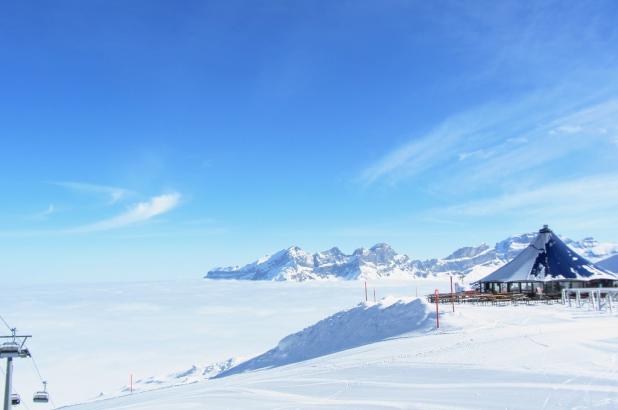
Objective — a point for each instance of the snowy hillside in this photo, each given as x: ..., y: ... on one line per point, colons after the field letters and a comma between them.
x: 461, y: 366
x: 382, y: 261
x: 159, y: 331
x: 366, y: 323
x: 193, y: 374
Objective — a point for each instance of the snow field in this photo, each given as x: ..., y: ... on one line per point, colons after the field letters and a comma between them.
x: 511, y: 357
x: 88, y: 338
x: 367, y: 323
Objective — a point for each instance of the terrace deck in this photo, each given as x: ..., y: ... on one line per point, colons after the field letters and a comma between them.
x: 494, y: 298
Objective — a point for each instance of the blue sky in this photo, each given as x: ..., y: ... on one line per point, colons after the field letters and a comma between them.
x: 157, y: 139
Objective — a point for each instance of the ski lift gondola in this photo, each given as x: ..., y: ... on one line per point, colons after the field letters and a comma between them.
x: 12, y: 349
x: 9, y: 349
x: 41, y: 396
x: 15, y: 399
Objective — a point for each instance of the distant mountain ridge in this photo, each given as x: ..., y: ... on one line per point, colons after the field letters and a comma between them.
x: 610, y: 263
x: 382, y: 261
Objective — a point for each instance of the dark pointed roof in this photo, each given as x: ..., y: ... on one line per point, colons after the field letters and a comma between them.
x: 546, y: 259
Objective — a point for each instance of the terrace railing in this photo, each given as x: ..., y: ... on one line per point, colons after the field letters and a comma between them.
x: 595, y: 298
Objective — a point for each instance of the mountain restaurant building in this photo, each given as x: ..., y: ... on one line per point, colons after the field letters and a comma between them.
x: 547, y: 265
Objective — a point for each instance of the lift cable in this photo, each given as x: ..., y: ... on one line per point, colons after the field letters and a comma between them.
x: 36, y: 367
x: 6, y: 324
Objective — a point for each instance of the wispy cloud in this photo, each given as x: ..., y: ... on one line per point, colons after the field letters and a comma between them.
x: 468, y: 131
x: 478, y: 154
x: 504, y: 139
x: 44, y: 214
x: 113, y: 194
x: 140, y: 212
x: 589, y: 196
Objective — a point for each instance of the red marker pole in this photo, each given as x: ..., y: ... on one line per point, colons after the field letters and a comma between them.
x: 452, y: 298
x: 131, y: 382
x: 366, y: 297
x: 436, y: 297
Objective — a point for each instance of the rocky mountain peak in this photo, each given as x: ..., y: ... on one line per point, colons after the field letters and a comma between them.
x: 468, y: 251
x: 381, y: 261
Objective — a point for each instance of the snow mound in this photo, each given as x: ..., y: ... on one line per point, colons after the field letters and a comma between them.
x: 366, y: 323
x: 193, y: 374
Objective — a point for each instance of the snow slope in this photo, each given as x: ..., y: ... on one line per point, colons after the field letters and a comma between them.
x: 382, y: 261
x: 193, y: 374
x: 512, y: 357
x: 88, y: 338
x: 366, y: 323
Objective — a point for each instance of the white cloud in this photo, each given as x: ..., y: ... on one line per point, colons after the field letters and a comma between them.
x: 468, y: 131
x: 421, y: 153
x: 478, y: 154
x: 140, y: 212
x: 114, y: 194
x: 517, y: 140
x: 44, y: 214
x: 484, y: 133
x: 568, y: 129
x: 588, y: 196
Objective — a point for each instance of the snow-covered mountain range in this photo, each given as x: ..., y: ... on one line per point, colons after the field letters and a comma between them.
x: 382, y: 261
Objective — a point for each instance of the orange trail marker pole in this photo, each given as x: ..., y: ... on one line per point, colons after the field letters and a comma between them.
x: 436, y: 296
